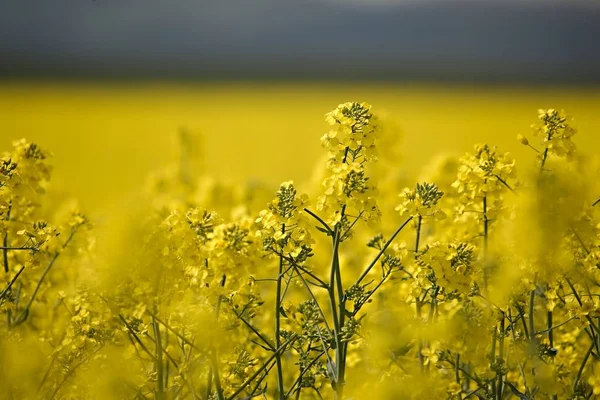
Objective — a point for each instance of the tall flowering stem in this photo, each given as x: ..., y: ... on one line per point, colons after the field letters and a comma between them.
x: 278, y: 323
x: 283, y: 230
x: 422, y: 202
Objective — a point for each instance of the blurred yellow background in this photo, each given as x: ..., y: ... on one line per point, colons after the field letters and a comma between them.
x: 107, y: 137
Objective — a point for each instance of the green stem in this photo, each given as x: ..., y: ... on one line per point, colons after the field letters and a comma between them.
x: 499, y: 385
x: 5, y: 252
x: 262, y: 337
x: 158, y: 362
x: 485, y: 225
x: 313, y: 297
x: 531, y: 323
x: 342, y: 316
x: 259, y: 371
x: 278, y: 325
x: 315, y: 216
x: 514, y: 337
x: 334, y: 310
x: 581, y: 368
x: 419, y: 303
x: 418, y: 234
x: 25, y: 313
x: 486, y: 271
x: 544, y: 158
x: 5, y: 241
x: 383, y: 249
x: 550, y: 329
x: 209, y: 383
x: 492, y: 359
x: 304, y: 370
x: 215, y: 359
x: 543, y: 163
x: 215, y: 368
x: 12, y: 281
x: 457, y: 373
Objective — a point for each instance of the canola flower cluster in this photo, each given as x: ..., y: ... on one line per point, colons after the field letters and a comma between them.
x: 479, y: 281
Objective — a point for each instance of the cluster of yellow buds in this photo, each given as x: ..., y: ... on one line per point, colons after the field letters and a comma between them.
x: 351, y: 143
x: 283, y: 226
x: 422, y: 201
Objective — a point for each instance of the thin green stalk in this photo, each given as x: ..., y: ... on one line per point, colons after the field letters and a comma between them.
x: 5, y: 249
x: 259, y: 381
x: 591, y: 334
x: 23, y: 248
x: 173, y: 331
x: 543, y: 163
x: 259, y: 371
x: 322, y: 284
x: 47, y: 374
x: 544, y: 158
x: 256, y: 331
x: 12, y: 281
x: 419, y: 303
x: 347, y: 233
x: 167, y: 365
x: 136, y: 337
x: 499, y: 386
x: 512, y: 331
x: 214, y: 359
x: 485, y: 225
x: 457, y: 373
x: 315, y: 216
x: 304, y: 370
x: 158, y: 362
x: 334, y: 307
x: 418, y: 234
x: 280, y: 387
x: 313, y: 297
x: 215, y: 368
x: 209, y: 383
x: 359, y: 307
x: 502, y: 181
x: 420, y: 353
x: 25, y: 313
x: 598, y: 335
x: 70, y: 372
x: 582, y: 367
x: 521, y: 316
x: 556, y: 326
x: 342, y: 316
x: 492, y: 359
x: 383, y: 249
x: 531, y: 322
x: 549, y: 328
x: 486, y: 271
x: 5, y: 241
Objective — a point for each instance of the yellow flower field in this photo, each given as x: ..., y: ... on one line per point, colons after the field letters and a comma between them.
x: 116, y: 133
x: 292, y: 241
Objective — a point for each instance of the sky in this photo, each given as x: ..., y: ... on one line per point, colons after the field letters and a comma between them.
x: 503, y: 40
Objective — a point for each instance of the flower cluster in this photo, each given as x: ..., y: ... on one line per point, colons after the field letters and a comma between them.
x: 205, y: 296
x: 422, y: 201
x: 348, y: 188
x: 284, y: 225
x: 556, y: 133
x: 353, y: 133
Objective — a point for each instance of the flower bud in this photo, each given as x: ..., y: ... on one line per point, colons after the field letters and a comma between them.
x: 522, y: 139
x: 439, y: 215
